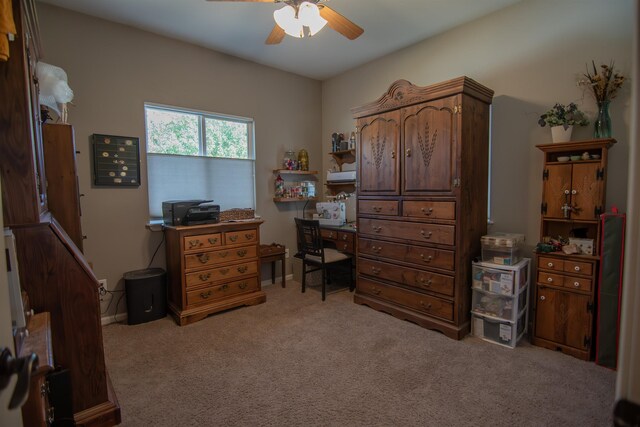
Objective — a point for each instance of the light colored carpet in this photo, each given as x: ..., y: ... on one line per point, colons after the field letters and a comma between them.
x: 297, y: 361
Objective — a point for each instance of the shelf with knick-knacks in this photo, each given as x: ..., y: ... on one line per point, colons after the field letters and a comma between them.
x: 342, y: 184
x: 290, y: 190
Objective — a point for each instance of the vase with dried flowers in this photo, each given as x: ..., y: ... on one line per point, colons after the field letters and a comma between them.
x: 604, y: 84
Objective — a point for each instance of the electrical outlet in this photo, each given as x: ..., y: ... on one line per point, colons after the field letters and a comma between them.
x: 103, y: 287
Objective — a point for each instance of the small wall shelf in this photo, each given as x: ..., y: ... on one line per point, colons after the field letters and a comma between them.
x: 344, y: 156
x: 294, y: 199
x: 295, y: 172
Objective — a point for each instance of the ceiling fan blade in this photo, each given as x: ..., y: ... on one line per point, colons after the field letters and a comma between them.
x: 276, y: 36
x: 340, y: 23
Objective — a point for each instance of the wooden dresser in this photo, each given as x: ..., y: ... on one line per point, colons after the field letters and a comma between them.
x: 213, y: 268
x: 422, y: 200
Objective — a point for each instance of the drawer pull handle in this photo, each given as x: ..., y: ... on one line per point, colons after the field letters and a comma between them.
x: 426, y: 306
x: 345, y: 246
x: 249, y: 236
x: 427, y: 259
x: 542, y: 298
x: 393, y: 154
x: 205, y: 296
x: 224, y: 287
x: 425, y: 282
x: 576, y: 284
x: 376, y: 249
x: 203, y: 258
x: 212, y: 240
x: 426, y: 235
x: 377, y: 229
x: 194, y: 243
x: 408, y: 152
x: 375, y: 290
x: 377, y: 208
x: 375, y: 270
x: 224, y: 254
x: 550, y: 264
x: 345, y: 237
x: 427, y: 211
x: 331, y: 236
x: 549, y: 279
x: 242, y: 268
x: 576, y: 268
x: 242, y: 253
x: 233, y: 238
x: 204, y: 277
x: 224, y: 270
x: 243, y: 285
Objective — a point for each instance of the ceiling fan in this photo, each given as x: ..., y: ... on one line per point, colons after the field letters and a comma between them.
x: 306, y: 17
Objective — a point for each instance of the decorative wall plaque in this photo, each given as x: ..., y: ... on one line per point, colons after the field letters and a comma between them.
x: 116, y: 160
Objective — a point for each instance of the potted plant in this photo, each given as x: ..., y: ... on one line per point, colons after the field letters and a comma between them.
x: 561, y: 119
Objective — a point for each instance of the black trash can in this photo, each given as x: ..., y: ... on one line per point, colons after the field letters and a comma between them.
x: 146, y: 292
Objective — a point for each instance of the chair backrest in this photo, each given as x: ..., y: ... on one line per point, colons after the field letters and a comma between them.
x: 309, y: 237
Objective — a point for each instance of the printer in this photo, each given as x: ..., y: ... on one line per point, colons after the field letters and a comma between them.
x: 190, y: 212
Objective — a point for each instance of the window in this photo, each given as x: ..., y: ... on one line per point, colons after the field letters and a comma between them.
x: 198, y: 155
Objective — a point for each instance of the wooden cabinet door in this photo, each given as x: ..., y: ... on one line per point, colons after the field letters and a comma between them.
x: 429, y: 151
x: 563, y: 317
x: 379, y: 159
x: 554, y: 188
x: 586, y: 191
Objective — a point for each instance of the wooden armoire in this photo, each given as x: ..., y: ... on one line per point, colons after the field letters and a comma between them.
x: 422, y: 200
x: 53, y: 272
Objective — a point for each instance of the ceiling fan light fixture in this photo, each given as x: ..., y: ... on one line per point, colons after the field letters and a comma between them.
x: 286, y: 19
x: 309, y: 15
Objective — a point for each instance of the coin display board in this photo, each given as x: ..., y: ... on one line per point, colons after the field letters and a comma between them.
x: 116, y: 160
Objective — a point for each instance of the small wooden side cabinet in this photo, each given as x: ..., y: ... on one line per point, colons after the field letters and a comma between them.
x: 573, y: 197
x: 272, y: 253
x: 212, y: 268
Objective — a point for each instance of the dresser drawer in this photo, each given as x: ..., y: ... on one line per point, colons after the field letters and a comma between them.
x: 329, y: 234
x: 550, y: 279
x: 416, y: 231
x: 578, y: 283
x: 217, y: 292
x: 378, y: 207
x: 432, y: 306
x: 240, y: 237
x: 221, y: 273
x: 204, y: 259
x: 578, y: 267
x: 203, y: 241
x: 413, y: 277
x: 419, y: 255
x: 429, y: 209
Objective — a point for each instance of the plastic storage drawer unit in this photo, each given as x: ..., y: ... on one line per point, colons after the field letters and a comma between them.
x: 146, y: 292
x: 500, y: 306
x: 504, y: 333
x: 504, y: 280
x: 502, y: 248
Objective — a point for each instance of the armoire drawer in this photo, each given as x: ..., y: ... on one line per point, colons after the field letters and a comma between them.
x: 419, y: 255
x: 217, y: 292
x: 560, y: 280
x: 203, y: 241
x: 378, y: 207
x: 420, y: 279
x: 430, y: 305
x: 204, y: 259
x: 416, y: 231
x: 429, y: 209
x: 225, y: 273
x: 566, y: 265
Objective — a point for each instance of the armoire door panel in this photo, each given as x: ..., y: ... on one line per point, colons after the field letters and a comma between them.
x: 429, y: 149
x: 379, y: 154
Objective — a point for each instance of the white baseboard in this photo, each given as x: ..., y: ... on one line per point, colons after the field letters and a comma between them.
x: 110, y: 319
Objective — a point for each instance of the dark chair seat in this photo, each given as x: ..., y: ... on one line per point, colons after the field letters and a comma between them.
x: 312, y: 253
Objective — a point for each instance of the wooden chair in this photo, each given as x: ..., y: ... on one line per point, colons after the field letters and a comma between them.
x: 314, y: 254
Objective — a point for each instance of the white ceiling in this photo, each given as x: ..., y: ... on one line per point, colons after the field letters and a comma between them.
x: 240, y: 28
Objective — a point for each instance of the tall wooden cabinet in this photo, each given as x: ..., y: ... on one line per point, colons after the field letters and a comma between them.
x: 573, y: 197
x: 422, y: 200
x: 53, y: 271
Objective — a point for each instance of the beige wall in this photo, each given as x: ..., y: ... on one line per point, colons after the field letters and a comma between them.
x: 530, y: 54
x: 113, y: 69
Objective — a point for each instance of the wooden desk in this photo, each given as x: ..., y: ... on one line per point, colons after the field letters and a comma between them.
x: 272, y: 253
x: 343, y: 237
